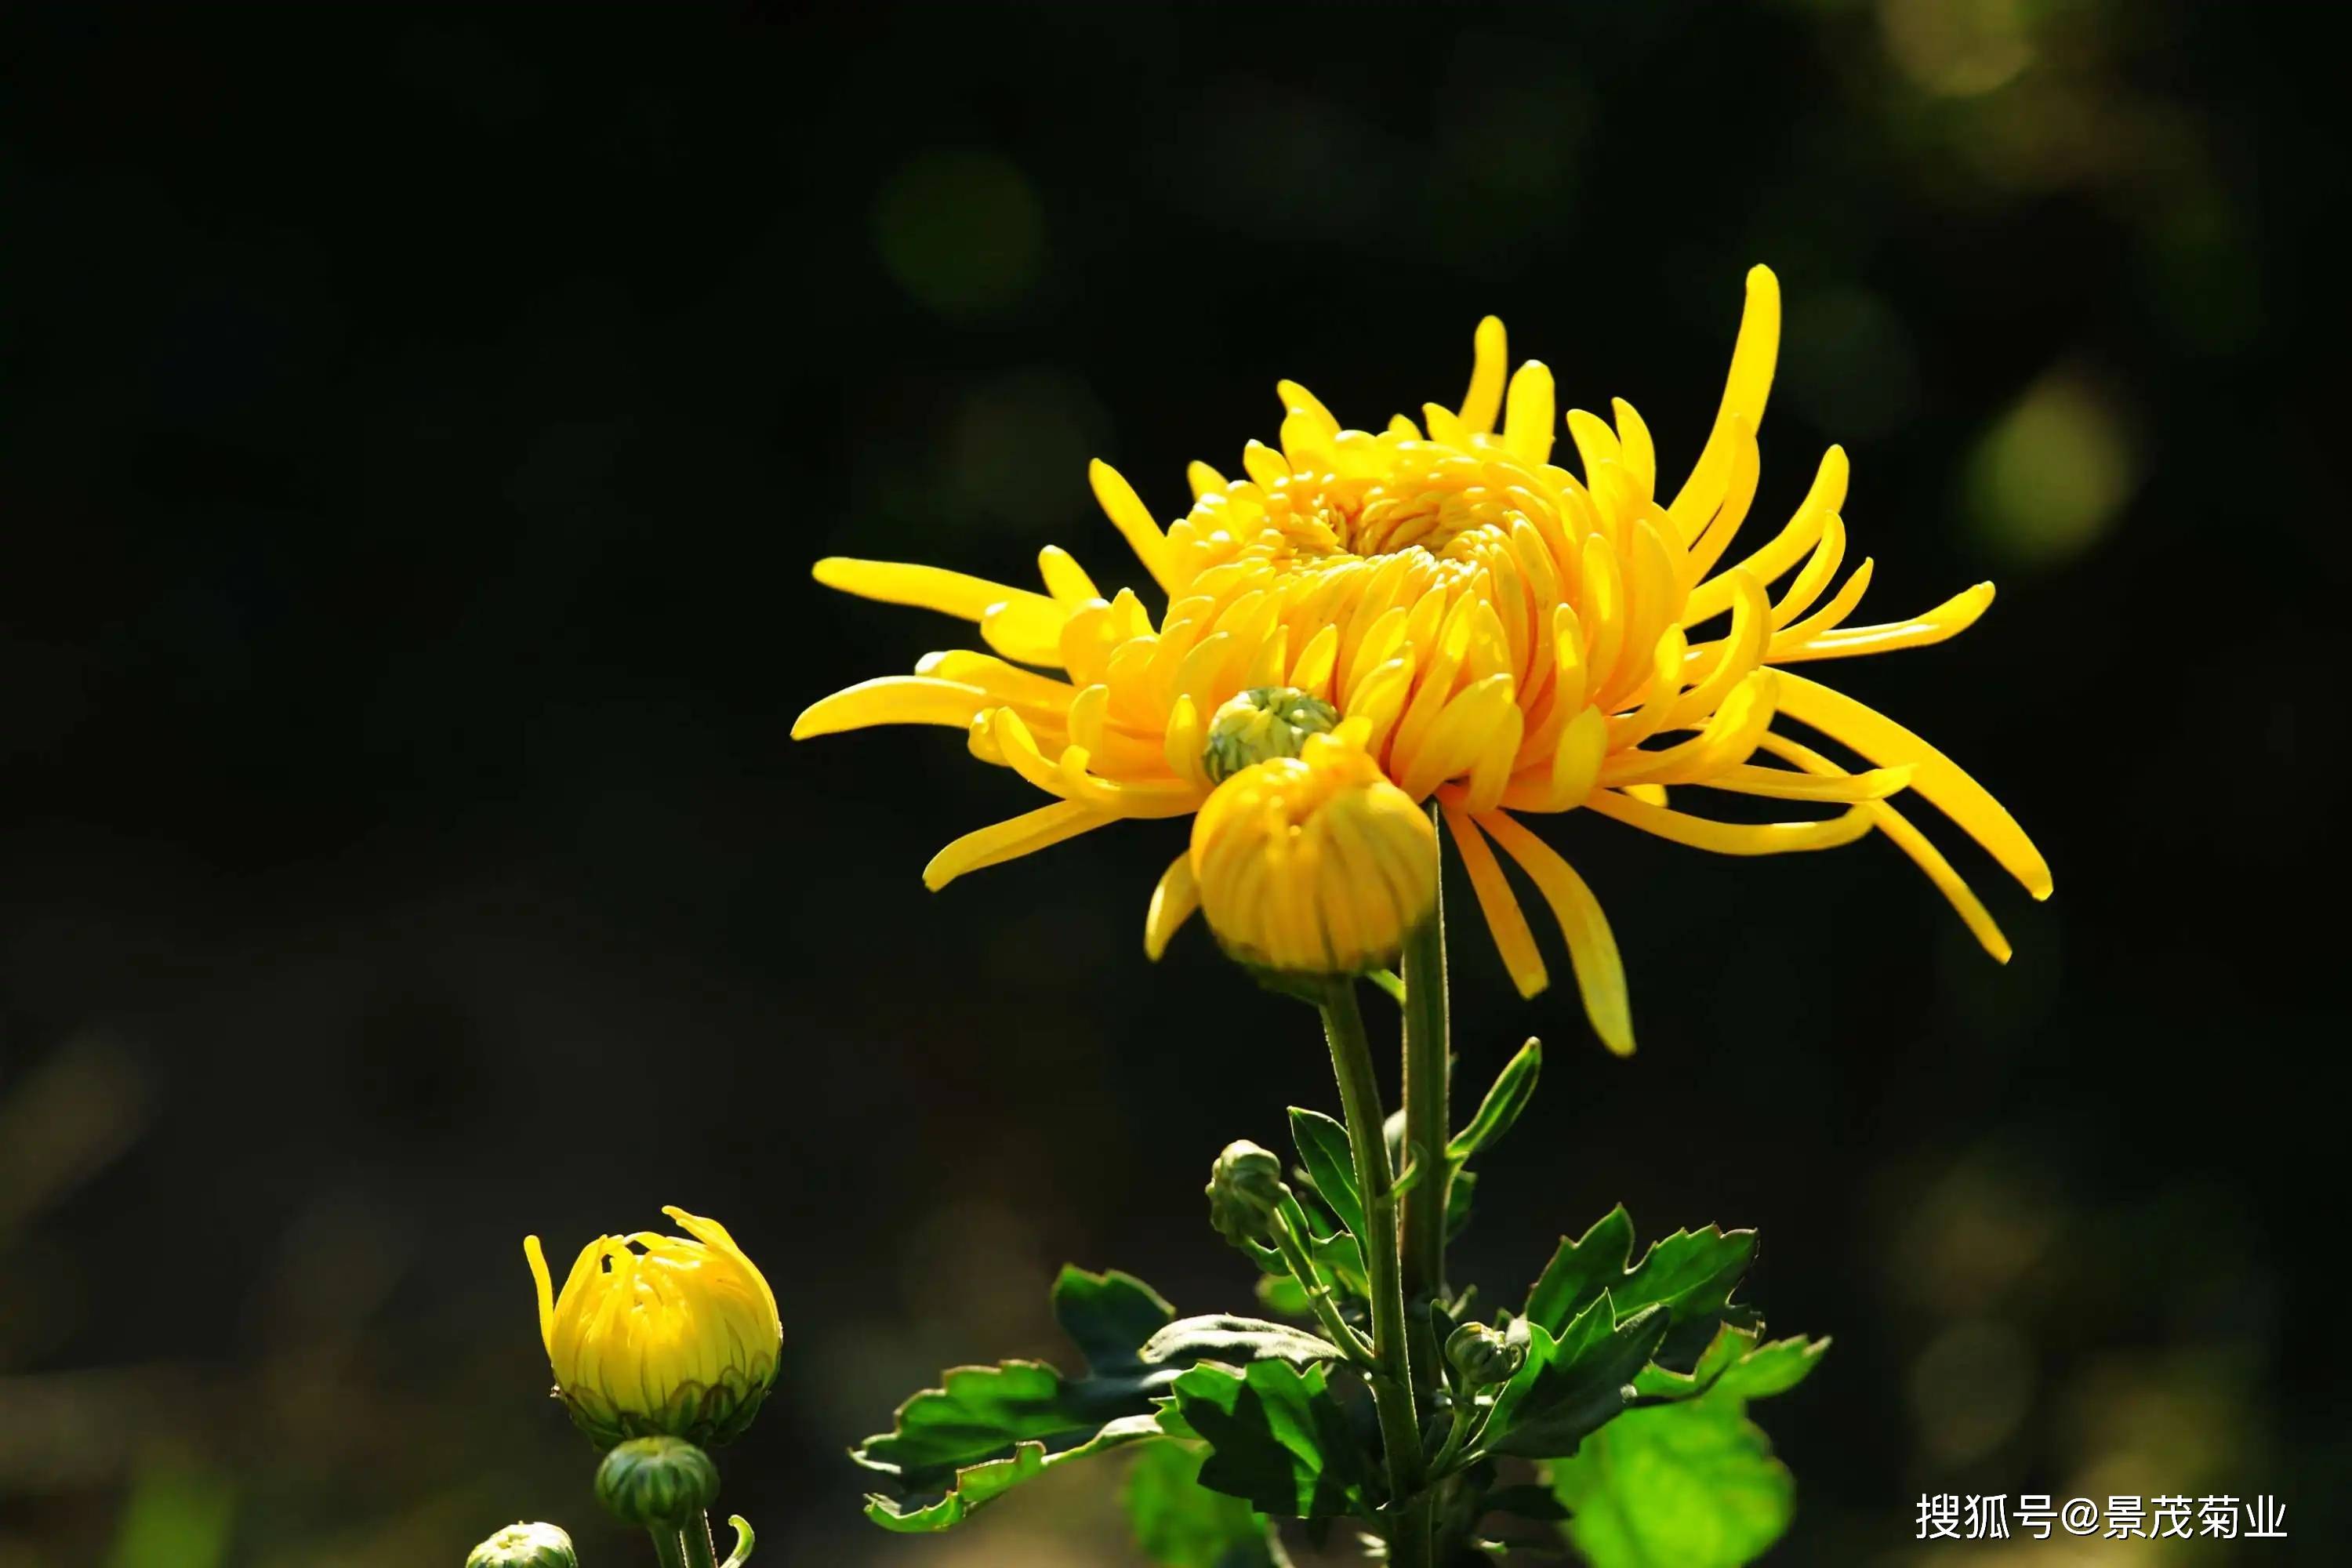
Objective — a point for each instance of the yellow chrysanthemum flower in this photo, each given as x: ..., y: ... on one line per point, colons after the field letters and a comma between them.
x: 1513, y: 639
x: 1307, y: 865
x: 660, y: 1335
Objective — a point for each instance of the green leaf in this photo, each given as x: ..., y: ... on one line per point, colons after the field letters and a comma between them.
x: 1108, y: 1315
x: 1514, y: 1087
x: 1457, y: 1203
x: 982, y: 1483
x: 1179, y: 1523
x: 1570, y: 1387
x: 1692, y: 1273
x: 988, y: 1428
x: 1692, y: 1483
x: 1281, y: 1293
x: 1237, y: 1341
x: 1323, y: 1150
x: 1277, y: 1439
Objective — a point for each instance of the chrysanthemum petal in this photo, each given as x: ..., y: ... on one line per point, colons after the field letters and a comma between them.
x: 1949, y: 619
x: 1028, y: 630
x: 1527, y: 413
x: 1790, y: 545
x: 1934, y: 776
x: 1133, y: 519
x: 1010, y: 839
x: 1592, y: 945
x: 1065, y: 580
x: 1172, y: 903
x: 1842, y: 788
x: 892, y: 699
x: 1504, y: 919
x: 1913, y: 843
x: 1005, y: 682
x: 1640, y: 454
x: 1745, y: 390
x: 1731, y: 837
x: 956, y: 593
x: 1484, y: 401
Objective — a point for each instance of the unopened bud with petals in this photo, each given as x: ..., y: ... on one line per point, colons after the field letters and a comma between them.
x: 1244, y: 1190
x: 667, y: 1335
x: 1315, y: 865
x: 1485, y: 1356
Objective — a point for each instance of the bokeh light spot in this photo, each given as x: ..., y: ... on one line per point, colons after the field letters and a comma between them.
x: 963, y: 232
x: 1970, y: 1389
x: 1957, y: 49
x: 2047, y: 479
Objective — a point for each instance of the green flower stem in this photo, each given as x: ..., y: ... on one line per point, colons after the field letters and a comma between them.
x: 1465, y: 1422
x: 698, y: 1550
x: 1428, y: 1126
x: 1289, y: 1240
x: 744, y: 1541
x: 1409, y: 1543
x: 669, y: 1545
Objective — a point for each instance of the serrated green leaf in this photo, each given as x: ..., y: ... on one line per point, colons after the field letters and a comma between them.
x: 1569, y: 1387
x: 1108, y: 1315
x: 1514, y: 1087
x: 1238, y: 1341
x: 1323, y: 1150
x: 976, y: 1485
x: 1277, y: 1439
x: 1692, y: 1483
x: 1692, y: 1273
x: 988, y: 1428
x: 1179, y: 1523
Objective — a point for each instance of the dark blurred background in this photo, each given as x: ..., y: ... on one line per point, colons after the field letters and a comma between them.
x: 417, y: 428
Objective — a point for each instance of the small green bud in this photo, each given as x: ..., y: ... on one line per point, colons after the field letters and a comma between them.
x: 1485, y: 1356
x: 1244, y: 1189
x: 521, y: 1545
x: 1263, y: 723
x: 656, y: 1481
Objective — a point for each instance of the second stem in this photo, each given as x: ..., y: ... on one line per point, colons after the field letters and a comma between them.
x: 1410, y: 1543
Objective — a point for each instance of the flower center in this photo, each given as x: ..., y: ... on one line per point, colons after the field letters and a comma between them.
x: 1262, y: 723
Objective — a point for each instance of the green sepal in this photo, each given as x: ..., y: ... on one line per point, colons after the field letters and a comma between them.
x: 1330, y: 1166
x: 1277, y: 1439
x: 707, y: 1414
x: 1573, y: 1383
x: 1692, y: 1273
x: 1179, y: 1523
x: 1691, y: 1482
x: 1514, y: 1087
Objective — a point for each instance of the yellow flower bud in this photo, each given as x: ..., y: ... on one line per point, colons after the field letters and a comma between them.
x: 660, y: 1335
x: 1314, y: 864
